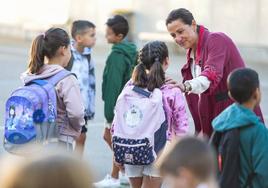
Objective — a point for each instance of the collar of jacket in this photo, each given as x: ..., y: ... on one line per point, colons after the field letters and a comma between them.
x: 202, y: 35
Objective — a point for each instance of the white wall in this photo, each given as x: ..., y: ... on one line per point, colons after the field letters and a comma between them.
x: 244, y: 20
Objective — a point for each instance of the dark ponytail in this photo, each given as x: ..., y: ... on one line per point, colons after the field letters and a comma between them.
x: 156, y: 77
x: 139, y: 76
x: 151, y: 58
x: 37, y: 56
x: 46, y: 45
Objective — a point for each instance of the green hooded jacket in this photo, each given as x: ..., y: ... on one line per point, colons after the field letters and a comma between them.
x: 253, y: 142
x: 117, y: 72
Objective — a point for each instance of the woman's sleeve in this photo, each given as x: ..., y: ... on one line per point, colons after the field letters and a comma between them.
x: 217, y: 57
x: 199, y: 84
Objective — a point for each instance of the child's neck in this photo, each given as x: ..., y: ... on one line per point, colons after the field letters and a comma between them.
x: 79, y: 48
x: 55, y: 61
x: 250, y: 105
x: 118, y: 41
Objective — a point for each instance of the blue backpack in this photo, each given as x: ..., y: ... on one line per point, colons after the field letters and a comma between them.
x: 30, y: 117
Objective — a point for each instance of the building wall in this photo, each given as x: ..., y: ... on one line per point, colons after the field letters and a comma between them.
x: 244, y: 20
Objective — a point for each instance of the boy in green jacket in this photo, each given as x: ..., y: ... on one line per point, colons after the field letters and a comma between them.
x: 117, y: 72
x: 243, y: 86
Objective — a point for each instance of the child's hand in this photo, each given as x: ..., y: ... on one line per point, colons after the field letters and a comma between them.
x: 120, y: 166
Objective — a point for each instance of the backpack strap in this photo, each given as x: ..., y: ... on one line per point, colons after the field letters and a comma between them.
x: 53, y: 80
x: 141, y: 91
x: 58, y: 77
x: 227, y: 145
x: 51, y: 96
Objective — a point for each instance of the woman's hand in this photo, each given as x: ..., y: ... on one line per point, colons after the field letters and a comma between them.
x: 174, y: 83
x: 169, y: 80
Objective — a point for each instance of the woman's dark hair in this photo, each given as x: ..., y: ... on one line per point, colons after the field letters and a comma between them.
x: 183, y: 14
x: 242, y: 83
x: 151, y: 58
x: 193, y: 154
x: 118, y: 24
x: 46, y: 45
x: 79, y: 27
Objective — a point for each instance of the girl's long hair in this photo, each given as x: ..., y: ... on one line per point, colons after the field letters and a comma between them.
x: 46, y: 45
x: 149, y: 72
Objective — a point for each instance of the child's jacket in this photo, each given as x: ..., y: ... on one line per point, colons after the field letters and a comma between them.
x: 117, y: 72
x: 175, y: 108
x: 253, y: 142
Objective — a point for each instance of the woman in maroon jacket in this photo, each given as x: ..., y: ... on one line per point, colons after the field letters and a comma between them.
x: 210, y: 58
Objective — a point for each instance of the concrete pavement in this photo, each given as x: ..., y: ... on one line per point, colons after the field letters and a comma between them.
x: 13, y: 61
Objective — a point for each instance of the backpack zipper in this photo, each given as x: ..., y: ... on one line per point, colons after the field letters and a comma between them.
x: 128, y: 145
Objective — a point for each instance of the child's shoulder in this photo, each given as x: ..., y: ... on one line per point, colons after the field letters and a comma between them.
x: 169, y: 89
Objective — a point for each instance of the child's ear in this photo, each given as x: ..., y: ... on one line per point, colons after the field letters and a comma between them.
x: 60, y: 50
x: 120, y: 36
x: 257, y: 95
x: 166, y: 61
x: 77, y: 38
x: 230, y: 95
x: 63, y: 50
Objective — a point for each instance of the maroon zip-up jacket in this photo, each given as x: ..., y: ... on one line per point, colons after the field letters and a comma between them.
x: 218, y: 56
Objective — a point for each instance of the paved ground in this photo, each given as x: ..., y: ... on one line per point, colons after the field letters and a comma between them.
x: 13, y: 61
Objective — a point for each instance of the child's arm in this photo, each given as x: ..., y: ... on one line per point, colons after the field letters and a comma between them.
x: 179, y: 115
x: 73, y: 101
x: 114, y: 84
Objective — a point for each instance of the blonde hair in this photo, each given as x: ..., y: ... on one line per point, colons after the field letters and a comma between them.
x: 56, y: 171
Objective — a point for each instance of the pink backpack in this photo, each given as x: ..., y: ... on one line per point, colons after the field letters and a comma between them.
x: 139, y: 126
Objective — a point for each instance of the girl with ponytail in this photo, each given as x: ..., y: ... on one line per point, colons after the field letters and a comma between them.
x: 149, y: 74
x: 50, y: 53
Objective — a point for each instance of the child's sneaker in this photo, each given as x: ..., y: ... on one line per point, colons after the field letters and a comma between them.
x: 108, y: 181
x: 123, y: 179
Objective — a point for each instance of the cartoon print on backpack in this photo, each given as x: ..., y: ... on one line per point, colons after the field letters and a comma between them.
x: 26, y: 120
x: 11, y: 116
x: 133, y: 116
x: 19, y: 124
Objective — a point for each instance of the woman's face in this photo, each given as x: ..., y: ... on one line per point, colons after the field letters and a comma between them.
x: 184, y: 35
